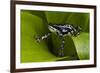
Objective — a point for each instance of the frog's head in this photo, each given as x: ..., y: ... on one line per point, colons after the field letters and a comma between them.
x: 52, y: 28
x: 77, y: 30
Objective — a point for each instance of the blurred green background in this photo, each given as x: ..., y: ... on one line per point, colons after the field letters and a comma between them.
x: 34, y: 23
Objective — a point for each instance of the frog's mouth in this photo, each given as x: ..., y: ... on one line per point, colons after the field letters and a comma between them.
x: 51, y: 28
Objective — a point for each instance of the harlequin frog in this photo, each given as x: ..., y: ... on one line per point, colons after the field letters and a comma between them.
x: 62, y: 31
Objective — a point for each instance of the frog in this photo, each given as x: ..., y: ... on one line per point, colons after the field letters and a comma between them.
x: 62, y: 30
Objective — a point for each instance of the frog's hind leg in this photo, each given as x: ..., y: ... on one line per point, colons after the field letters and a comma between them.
x: 43, y: 37
x: 61, y: 49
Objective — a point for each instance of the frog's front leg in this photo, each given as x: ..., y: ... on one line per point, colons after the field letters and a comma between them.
x: 43, y: 37
x: 61, y: 49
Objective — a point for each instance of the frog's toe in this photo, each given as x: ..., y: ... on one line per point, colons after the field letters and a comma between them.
x: 38, y: 39
x: 61, y: 54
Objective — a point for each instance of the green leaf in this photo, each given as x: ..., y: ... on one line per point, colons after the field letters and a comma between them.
x: 69, y: 49
x: 82, y: 45
x: 80, y: 19
x: 56, y: 17
x: 31, y: 50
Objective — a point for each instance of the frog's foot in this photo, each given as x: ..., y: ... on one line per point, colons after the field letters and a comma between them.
x: 38, y: 39
x: 61, y: 54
